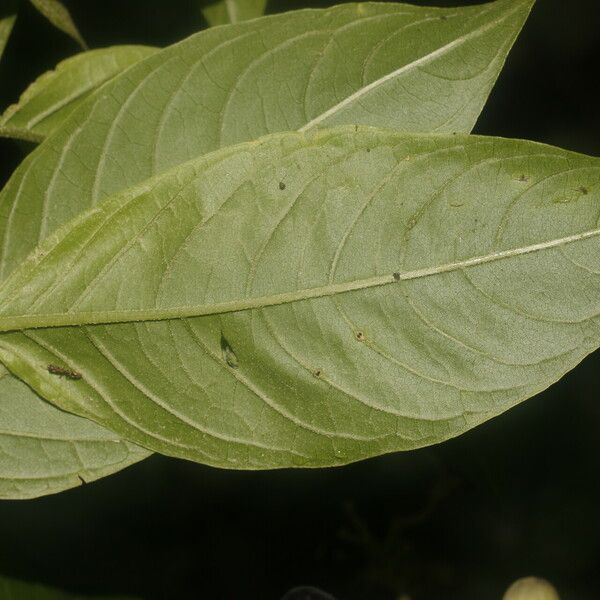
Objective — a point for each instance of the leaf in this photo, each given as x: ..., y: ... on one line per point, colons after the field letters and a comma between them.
x: 386, y: 64
x: 233, y: 11
x: 57, y: 13
x: 44, y: 450
x: 315, y: 299
x: 6, y: 25
x: 52, y: 97
x: 19, y: 590
x: 117, y: 131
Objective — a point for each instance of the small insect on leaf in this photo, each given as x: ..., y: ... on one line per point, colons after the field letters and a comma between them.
x: 228, y: 354
x: 63, y: 372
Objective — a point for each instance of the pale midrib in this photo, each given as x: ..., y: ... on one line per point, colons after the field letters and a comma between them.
x: 231, y: 11
x: 40, y: 321
x: 423, y: 60
x: 20, y: 133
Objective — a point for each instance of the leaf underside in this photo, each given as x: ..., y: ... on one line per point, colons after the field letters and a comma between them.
x: 363, y: 291
x: 389, y: 65
x: 44, y: 450
x: 48, y: 101
x: 414, y: 69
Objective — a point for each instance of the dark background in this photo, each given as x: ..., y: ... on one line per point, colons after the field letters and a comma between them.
x: 519, y: 495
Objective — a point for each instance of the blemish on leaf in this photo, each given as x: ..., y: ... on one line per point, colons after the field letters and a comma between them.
x: 63, y: 372
x: 443, y: 17
x: 281, y: 185
x: 228, y: 354
x: 368, y: 149
x: 571, y: 196
x: 456, y: 204
x: 396, y: 276
x: 523, y: 178
x: 317, y: 373
x: 583, y: 190
x: 360, y: 336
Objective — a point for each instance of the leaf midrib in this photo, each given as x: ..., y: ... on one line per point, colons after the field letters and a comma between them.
x: 37, y: 321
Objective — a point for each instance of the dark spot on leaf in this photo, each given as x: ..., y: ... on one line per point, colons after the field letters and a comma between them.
x: 523, y: 178
x: 368, y: 149
x: 281, y: 185
x: 228, y: 354
x: 396, y: 276
x: 360, y: 336
x: 583, y: 190
x: 317, y: 372
x: 443, y: 17
x: 356, y: 128
x: 63, y: 372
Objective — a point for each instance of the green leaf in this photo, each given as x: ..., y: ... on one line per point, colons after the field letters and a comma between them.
x: 315, y: 299
x: 222, y: 12
x: 394, y: 65
x: 18, y: 590
x: 124, y: 138
x: 44, y: 450
x: 6, y: 25
x: 52, y: 97
x: 57, y: 13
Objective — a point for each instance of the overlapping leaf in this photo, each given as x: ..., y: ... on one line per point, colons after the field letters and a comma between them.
x: 391, y: 65
x: 58, y: 14
x: 221, y: 12
x: 310, y: 300
x: 52, y: 98
x: 6, y: 25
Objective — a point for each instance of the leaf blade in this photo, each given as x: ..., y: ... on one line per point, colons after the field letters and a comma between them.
x: 233, y: 11
x: 49, y: 100
x: 58, y: 14
x: 435, y: 348
x: 173, y: 133
x: 44, y: 451
x: 6, y: 25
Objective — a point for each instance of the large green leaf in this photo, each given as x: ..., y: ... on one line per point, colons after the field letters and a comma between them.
x: 309, y: 300
x: 58, y: 14
x: 44, y: 450
x: 6, y: 25
x: 393, y: 65
x: 222, y: 12
x: 52, y: 97
x: 400, y: 46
